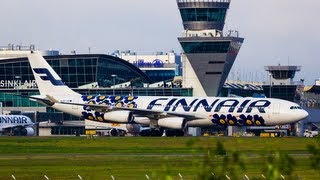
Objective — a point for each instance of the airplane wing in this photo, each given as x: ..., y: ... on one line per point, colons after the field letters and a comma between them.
x: 7, y: 127
x: 150, y: 113
x: 137, y: 111
x: 42, y: 99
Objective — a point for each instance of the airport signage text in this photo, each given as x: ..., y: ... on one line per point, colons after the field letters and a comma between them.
x: 157, y: 63
x: 18, y: 83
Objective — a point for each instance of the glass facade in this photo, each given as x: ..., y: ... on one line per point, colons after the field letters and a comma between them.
x: 205, y: 47
x: 225, y: 92
x: 74, y: 70
x: 203, y: 14
x: 62, y: 130
x: 12, y: 98
x: 106, y: 70
x: 285, y: 92
x: 160, y: 75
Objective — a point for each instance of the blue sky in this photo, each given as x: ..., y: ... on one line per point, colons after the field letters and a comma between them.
x: 275, y: 31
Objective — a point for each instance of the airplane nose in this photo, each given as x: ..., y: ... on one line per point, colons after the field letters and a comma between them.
x: 304, y: 114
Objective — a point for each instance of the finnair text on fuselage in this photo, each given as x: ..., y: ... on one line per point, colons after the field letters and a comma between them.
x: 234, y: 105
x: 13, y: 119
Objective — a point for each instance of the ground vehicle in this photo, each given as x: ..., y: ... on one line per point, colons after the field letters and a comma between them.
x: 308, y: 133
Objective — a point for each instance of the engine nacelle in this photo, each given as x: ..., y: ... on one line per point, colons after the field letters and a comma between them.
x: 119, y: 116
x: 28, y: 131
x: 114, y: 132
x: 142, y: 120
x: 172, y: 122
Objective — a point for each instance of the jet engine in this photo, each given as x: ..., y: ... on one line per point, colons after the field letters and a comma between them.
x: 172, y: 122
x: 114, y: 132
x: 119, y: 116
x: 28, y: 131
x: 142, y: 120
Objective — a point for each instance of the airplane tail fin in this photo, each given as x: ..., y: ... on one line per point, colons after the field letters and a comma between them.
x: 48, y: 81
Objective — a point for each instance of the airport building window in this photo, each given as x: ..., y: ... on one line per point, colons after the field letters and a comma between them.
x: 60, y: 130
x: 160, y: 75
x: 213, y: 73
x: 203, y: 14
x: 286, y: 92
x: 205, y: 47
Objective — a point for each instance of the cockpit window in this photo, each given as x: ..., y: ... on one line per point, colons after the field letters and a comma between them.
x: 295, y: 107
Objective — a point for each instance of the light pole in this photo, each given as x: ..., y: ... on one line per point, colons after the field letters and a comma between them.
x: 270, y: 90
x: 17, y: 86
x: 114, y: 82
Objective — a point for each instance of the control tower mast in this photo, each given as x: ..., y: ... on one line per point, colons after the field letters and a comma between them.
x: 208, y: 53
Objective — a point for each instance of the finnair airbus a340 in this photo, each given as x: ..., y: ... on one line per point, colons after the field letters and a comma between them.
x: 161, y: 112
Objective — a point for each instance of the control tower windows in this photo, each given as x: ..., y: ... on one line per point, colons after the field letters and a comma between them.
x: 203, y: 14
x: 205, y: 47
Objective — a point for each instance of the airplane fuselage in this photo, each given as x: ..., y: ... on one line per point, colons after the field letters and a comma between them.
x: 210, y: 110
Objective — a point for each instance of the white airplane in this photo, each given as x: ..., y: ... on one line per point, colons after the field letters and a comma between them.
x: 161, y: 112
x: 17, y: 125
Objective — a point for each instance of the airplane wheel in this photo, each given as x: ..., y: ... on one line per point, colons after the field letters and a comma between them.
x: 17, y: 132
x: 145, y: 133
x: 179, y: 133
x: 170, y: 133
x: 156, y: 133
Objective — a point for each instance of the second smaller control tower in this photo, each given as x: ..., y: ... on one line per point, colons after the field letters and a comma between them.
x: 281, y: 84
x: 282, y: 75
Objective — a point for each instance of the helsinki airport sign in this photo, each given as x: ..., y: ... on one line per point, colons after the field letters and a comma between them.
x: 18, y: 83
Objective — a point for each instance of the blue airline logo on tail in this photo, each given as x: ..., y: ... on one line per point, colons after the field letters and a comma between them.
x: 48, y: 76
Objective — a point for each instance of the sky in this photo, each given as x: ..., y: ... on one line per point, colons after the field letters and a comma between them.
x: 275, y: 31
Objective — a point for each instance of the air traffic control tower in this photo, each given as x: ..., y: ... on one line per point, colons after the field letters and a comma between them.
x: 282, y: 75
x: 281, y: 84
x: 208, y: 53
